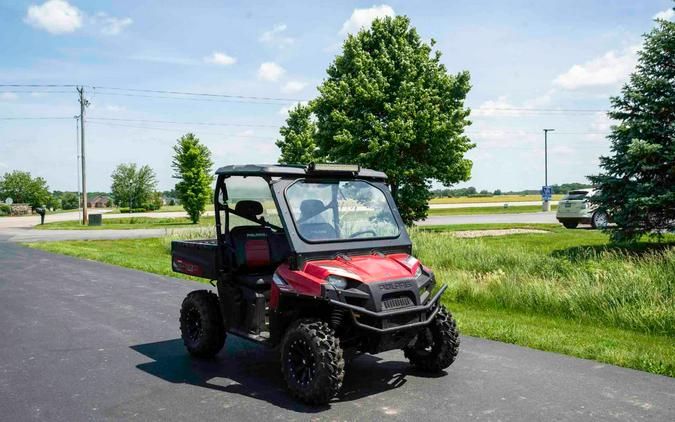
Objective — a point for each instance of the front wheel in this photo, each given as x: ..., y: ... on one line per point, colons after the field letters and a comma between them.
x: 201, y: 324
x: 599, y: 220
x: 437, y: 344
x: 312, y: 362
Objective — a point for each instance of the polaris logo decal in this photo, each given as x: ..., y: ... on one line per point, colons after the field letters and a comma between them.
x: 396, y: 285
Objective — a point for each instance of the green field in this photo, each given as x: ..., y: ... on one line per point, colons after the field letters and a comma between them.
x: 129, y: 223
x: 516, y: 209
x: 566, y: 291
x: 493, y: 198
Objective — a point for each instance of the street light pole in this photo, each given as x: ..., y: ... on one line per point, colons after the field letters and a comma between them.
x: 546, y: 205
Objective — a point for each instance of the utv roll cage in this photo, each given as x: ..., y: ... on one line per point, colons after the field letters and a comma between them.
x: 281, y: 177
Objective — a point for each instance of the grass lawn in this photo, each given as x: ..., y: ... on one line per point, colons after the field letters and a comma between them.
x: 128, y: 223
x: 566, y: 291
x: 516, y: 209
x: 494, y: 198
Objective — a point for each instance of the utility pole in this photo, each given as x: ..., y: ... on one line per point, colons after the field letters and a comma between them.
x: 546, y: 205
x: 83, y: 104
x: 77, y: 155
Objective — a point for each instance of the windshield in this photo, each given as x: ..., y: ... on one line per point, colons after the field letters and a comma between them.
x: 576, y: 195
x: 327, y: 211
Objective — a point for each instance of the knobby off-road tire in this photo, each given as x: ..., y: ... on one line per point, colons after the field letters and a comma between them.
x: 437, y: 345
x: 571, y: 224
x: 311, y: 361
x: 201, y: 324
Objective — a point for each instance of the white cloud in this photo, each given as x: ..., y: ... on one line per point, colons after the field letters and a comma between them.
x: 270, y: 71
x: 8, y: 96
x: 54, y: 16
x: 283, y: 111
x: 499, y: 107
x: 667, y: 14
x: 291, y: 87
x: 276, y: 37
x: 609, y: 69
x: 362, y: 18
x: 220, y: 58
x: 111, y: 25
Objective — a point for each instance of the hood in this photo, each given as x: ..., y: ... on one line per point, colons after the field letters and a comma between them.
x: 365, y: 268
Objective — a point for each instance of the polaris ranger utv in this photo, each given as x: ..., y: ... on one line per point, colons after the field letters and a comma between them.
x: 315, y: 261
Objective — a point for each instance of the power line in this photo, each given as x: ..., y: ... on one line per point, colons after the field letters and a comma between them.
x: 217, y: 100
x: 36, y: 92
x: 544, y: 110
x: 199, y: 94
x: 229, y: 135
x: 181, y: 123
x: 275, y: 99
x: 39, y: 86
x: 35, y: 118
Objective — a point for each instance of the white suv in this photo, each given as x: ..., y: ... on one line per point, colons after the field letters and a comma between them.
x: 575, y: 208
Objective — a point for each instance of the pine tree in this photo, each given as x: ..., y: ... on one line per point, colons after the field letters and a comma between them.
x: 637, y: 182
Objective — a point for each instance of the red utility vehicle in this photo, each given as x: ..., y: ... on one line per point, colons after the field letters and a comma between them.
x: 314, y: 260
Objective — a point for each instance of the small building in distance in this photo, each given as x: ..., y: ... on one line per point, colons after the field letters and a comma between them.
x: 100, y: 201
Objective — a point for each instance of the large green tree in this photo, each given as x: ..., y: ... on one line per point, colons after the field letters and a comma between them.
x: 637, y: 181
x: 389, y: 104
x: 132, y: 186
x: 298, y: 145
x: 22, y: 188
x: 192, y: 165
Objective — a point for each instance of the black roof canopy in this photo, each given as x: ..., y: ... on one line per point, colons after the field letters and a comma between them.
x: 296, y: 171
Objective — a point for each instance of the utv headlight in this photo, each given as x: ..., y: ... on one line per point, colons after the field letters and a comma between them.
x: 418, y: 272
x: 278, y: 280
x: 337, y: 281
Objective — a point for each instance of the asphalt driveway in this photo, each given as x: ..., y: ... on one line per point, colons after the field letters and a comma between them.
x: 89, y: 341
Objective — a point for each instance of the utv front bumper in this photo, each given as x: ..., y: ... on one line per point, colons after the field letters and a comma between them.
x: 390, y: 321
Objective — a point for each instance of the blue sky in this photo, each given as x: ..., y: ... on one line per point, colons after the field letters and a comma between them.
x: 525, y: 58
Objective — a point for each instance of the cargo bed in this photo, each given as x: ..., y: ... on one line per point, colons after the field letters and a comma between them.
x: 199, y: 258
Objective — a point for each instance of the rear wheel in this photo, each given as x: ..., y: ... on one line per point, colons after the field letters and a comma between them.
x: 570, y: 224
x: 311, y: 361
x: 600, y: 220
x: 437, y: 344
x: 201, y: 324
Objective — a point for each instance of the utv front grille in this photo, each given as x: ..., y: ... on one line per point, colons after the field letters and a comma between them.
x: 397, y: 302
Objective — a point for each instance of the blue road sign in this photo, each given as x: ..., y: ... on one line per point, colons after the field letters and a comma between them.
x: 546, y: 193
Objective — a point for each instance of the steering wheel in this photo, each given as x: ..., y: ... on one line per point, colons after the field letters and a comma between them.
x: 353, y: 235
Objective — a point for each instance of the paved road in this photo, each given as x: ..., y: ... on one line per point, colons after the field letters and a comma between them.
x: 88, y: 341
x: 33, y: 220
x: 530, y: 217
x: 28, y: 234
x: 487, y: 204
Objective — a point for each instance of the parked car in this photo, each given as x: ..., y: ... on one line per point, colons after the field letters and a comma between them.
x: 575, y: 208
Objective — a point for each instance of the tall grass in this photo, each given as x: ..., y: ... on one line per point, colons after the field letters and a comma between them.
x: 616, y: 287
x: 196, y: 233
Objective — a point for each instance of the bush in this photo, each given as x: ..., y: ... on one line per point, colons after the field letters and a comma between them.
x: 69, y: 201
x: 132, y: 210
x: 5, y: 209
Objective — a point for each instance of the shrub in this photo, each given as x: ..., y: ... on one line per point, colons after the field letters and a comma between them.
x: 130, y: 210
